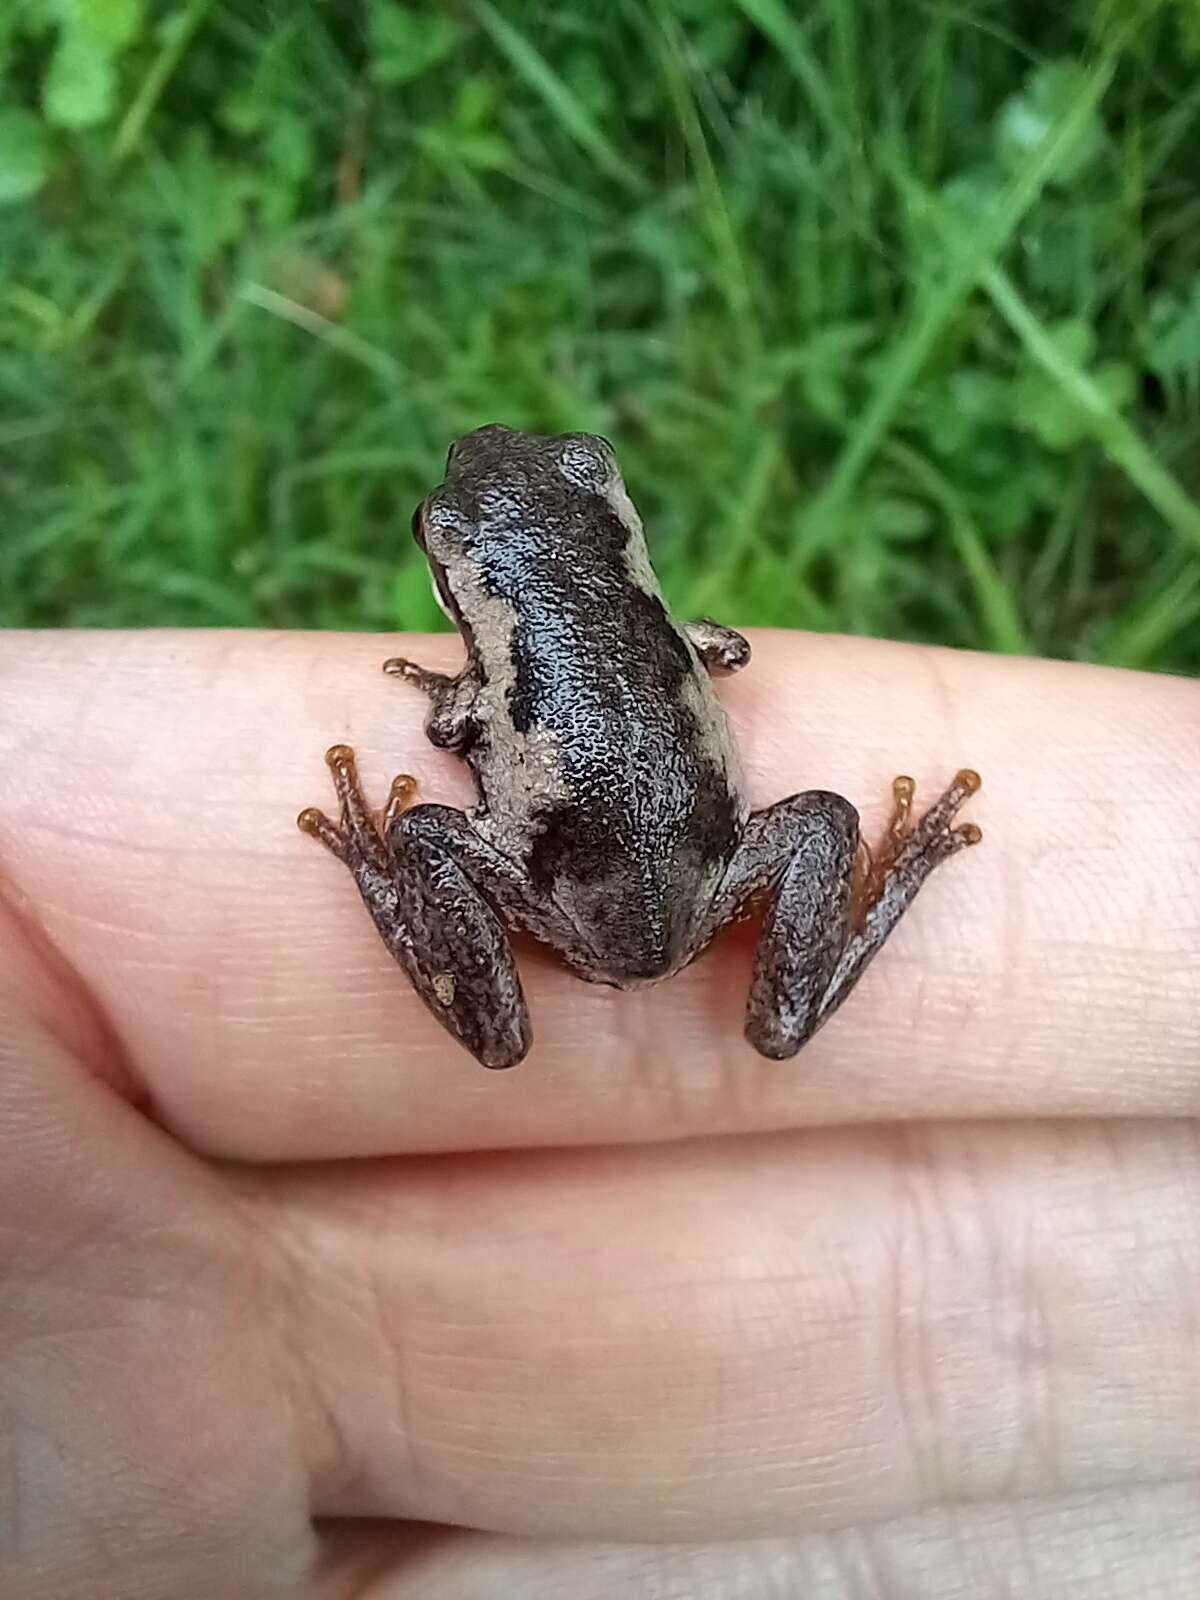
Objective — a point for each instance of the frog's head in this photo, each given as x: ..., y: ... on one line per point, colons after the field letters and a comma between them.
x: 500, y: 479
x: 508, y: 459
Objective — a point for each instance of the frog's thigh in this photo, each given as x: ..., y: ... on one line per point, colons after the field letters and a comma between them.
x: 448, y: 936
x: 806, y: 847
x: 821, y: 929
x: 721, y: 649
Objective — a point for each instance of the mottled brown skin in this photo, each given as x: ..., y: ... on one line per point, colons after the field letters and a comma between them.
x: 612, y: 821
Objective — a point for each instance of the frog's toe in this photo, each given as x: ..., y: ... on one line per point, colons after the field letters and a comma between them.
x: 400, y: 798
x: 318, y: 826
x: 935, y: 834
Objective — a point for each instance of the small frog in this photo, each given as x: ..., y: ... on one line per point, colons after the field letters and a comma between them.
x: 612, y: 820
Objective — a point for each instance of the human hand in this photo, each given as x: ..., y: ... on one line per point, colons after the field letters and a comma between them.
x: 917, y: 1310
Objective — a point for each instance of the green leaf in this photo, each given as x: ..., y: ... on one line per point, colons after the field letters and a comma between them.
x: 1040, y: 406
x: 970, y: 404
x: 971, y: 261
x: 112, y: 24
x: 1027, y: 121
x: 1187, y: 20
x: 1074, y: 339
x: 24, y: 155
x: 830, y: 361
x: 406, y: 43
x: 79, y: 87
x: 1043, y: 406
x: 468, y: 136
x: 557, y: 94
x: 244, y: 110
x: 1117, y: 382
x: 1171, y: 338
x: 897, y: 519
x: 1007, y: 507
x: 289, y: 146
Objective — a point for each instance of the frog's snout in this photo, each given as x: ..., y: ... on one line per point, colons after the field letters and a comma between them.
x: 649, y: 969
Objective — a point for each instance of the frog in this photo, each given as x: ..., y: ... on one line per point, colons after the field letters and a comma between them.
x: 612, y: 820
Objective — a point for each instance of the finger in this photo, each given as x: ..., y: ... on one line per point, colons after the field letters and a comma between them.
x: 744, y: 1338
x: 146, y: 1431
x: 148, y: 792
x: 1124, y: 1545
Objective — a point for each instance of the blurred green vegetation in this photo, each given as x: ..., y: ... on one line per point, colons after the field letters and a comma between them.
x: 891, y: 308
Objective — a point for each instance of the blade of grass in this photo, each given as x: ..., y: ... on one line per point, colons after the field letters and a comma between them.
x: 775, y: 20
x: 1119, y: 438
x: 1045, y: 583
x: 931, y: 131
x: 557, y: 95
x: 177, y: 36
x: 940, y: 305
x: 741, y: 530
x: 997, y: 610
x: 844, y: 22
x: 1170, y: 132
x: 337, y: 338
x: 837, y: 108
x: 1139, y: 639
x: 718, y: 224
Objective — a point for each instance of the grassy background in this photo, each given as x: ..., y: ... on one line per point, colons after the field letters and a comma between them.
x: 891, y: 308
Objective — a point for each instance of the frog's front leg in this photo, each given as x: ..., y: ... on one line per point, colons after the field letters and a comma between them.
x: 430, y: 884
x: 450, y: 724
x: 831, y: 904
x: 722, y: 650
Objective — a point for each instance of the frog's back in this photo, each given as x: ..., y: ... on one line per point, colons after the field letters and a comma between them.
x: 604, y: 759
x: 637, y: 806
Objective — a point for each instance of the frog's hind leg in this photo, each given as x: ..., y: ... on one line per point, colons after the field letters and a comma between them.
x: 450, y: 936
x: 450, y: 724
x: 798, y: 857
x: 722, y: 650
x: 829, y: 904
x: 421, y: 876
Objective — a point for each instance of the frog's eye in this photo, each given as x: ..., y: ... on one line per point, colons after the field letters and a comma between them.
x: 492, y: 440
x: 439, y: 526
x: 587, y: 460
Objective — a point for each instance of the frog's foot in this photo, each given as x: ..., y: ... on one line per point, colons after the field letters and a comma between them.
x: 431, y: 683
x: 450, y: 724
x: 416, y: 869
x: 360, y: 834
x: 905, y: 843
x: 356, y: 835
x: 909, y: 852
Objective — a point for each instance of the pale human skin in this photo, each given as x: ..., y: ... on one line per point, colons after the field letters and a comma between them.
x: 912, y: 1315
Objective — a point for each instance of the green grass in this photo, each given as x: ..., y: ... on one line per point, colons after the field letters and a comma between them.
x: 892, y: 310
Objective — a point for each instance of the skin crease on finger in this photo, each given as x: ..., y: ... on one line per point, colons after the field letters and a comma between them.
x: 742, y: 1337
x: 148, y: 787
x: 1141, y: 1545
